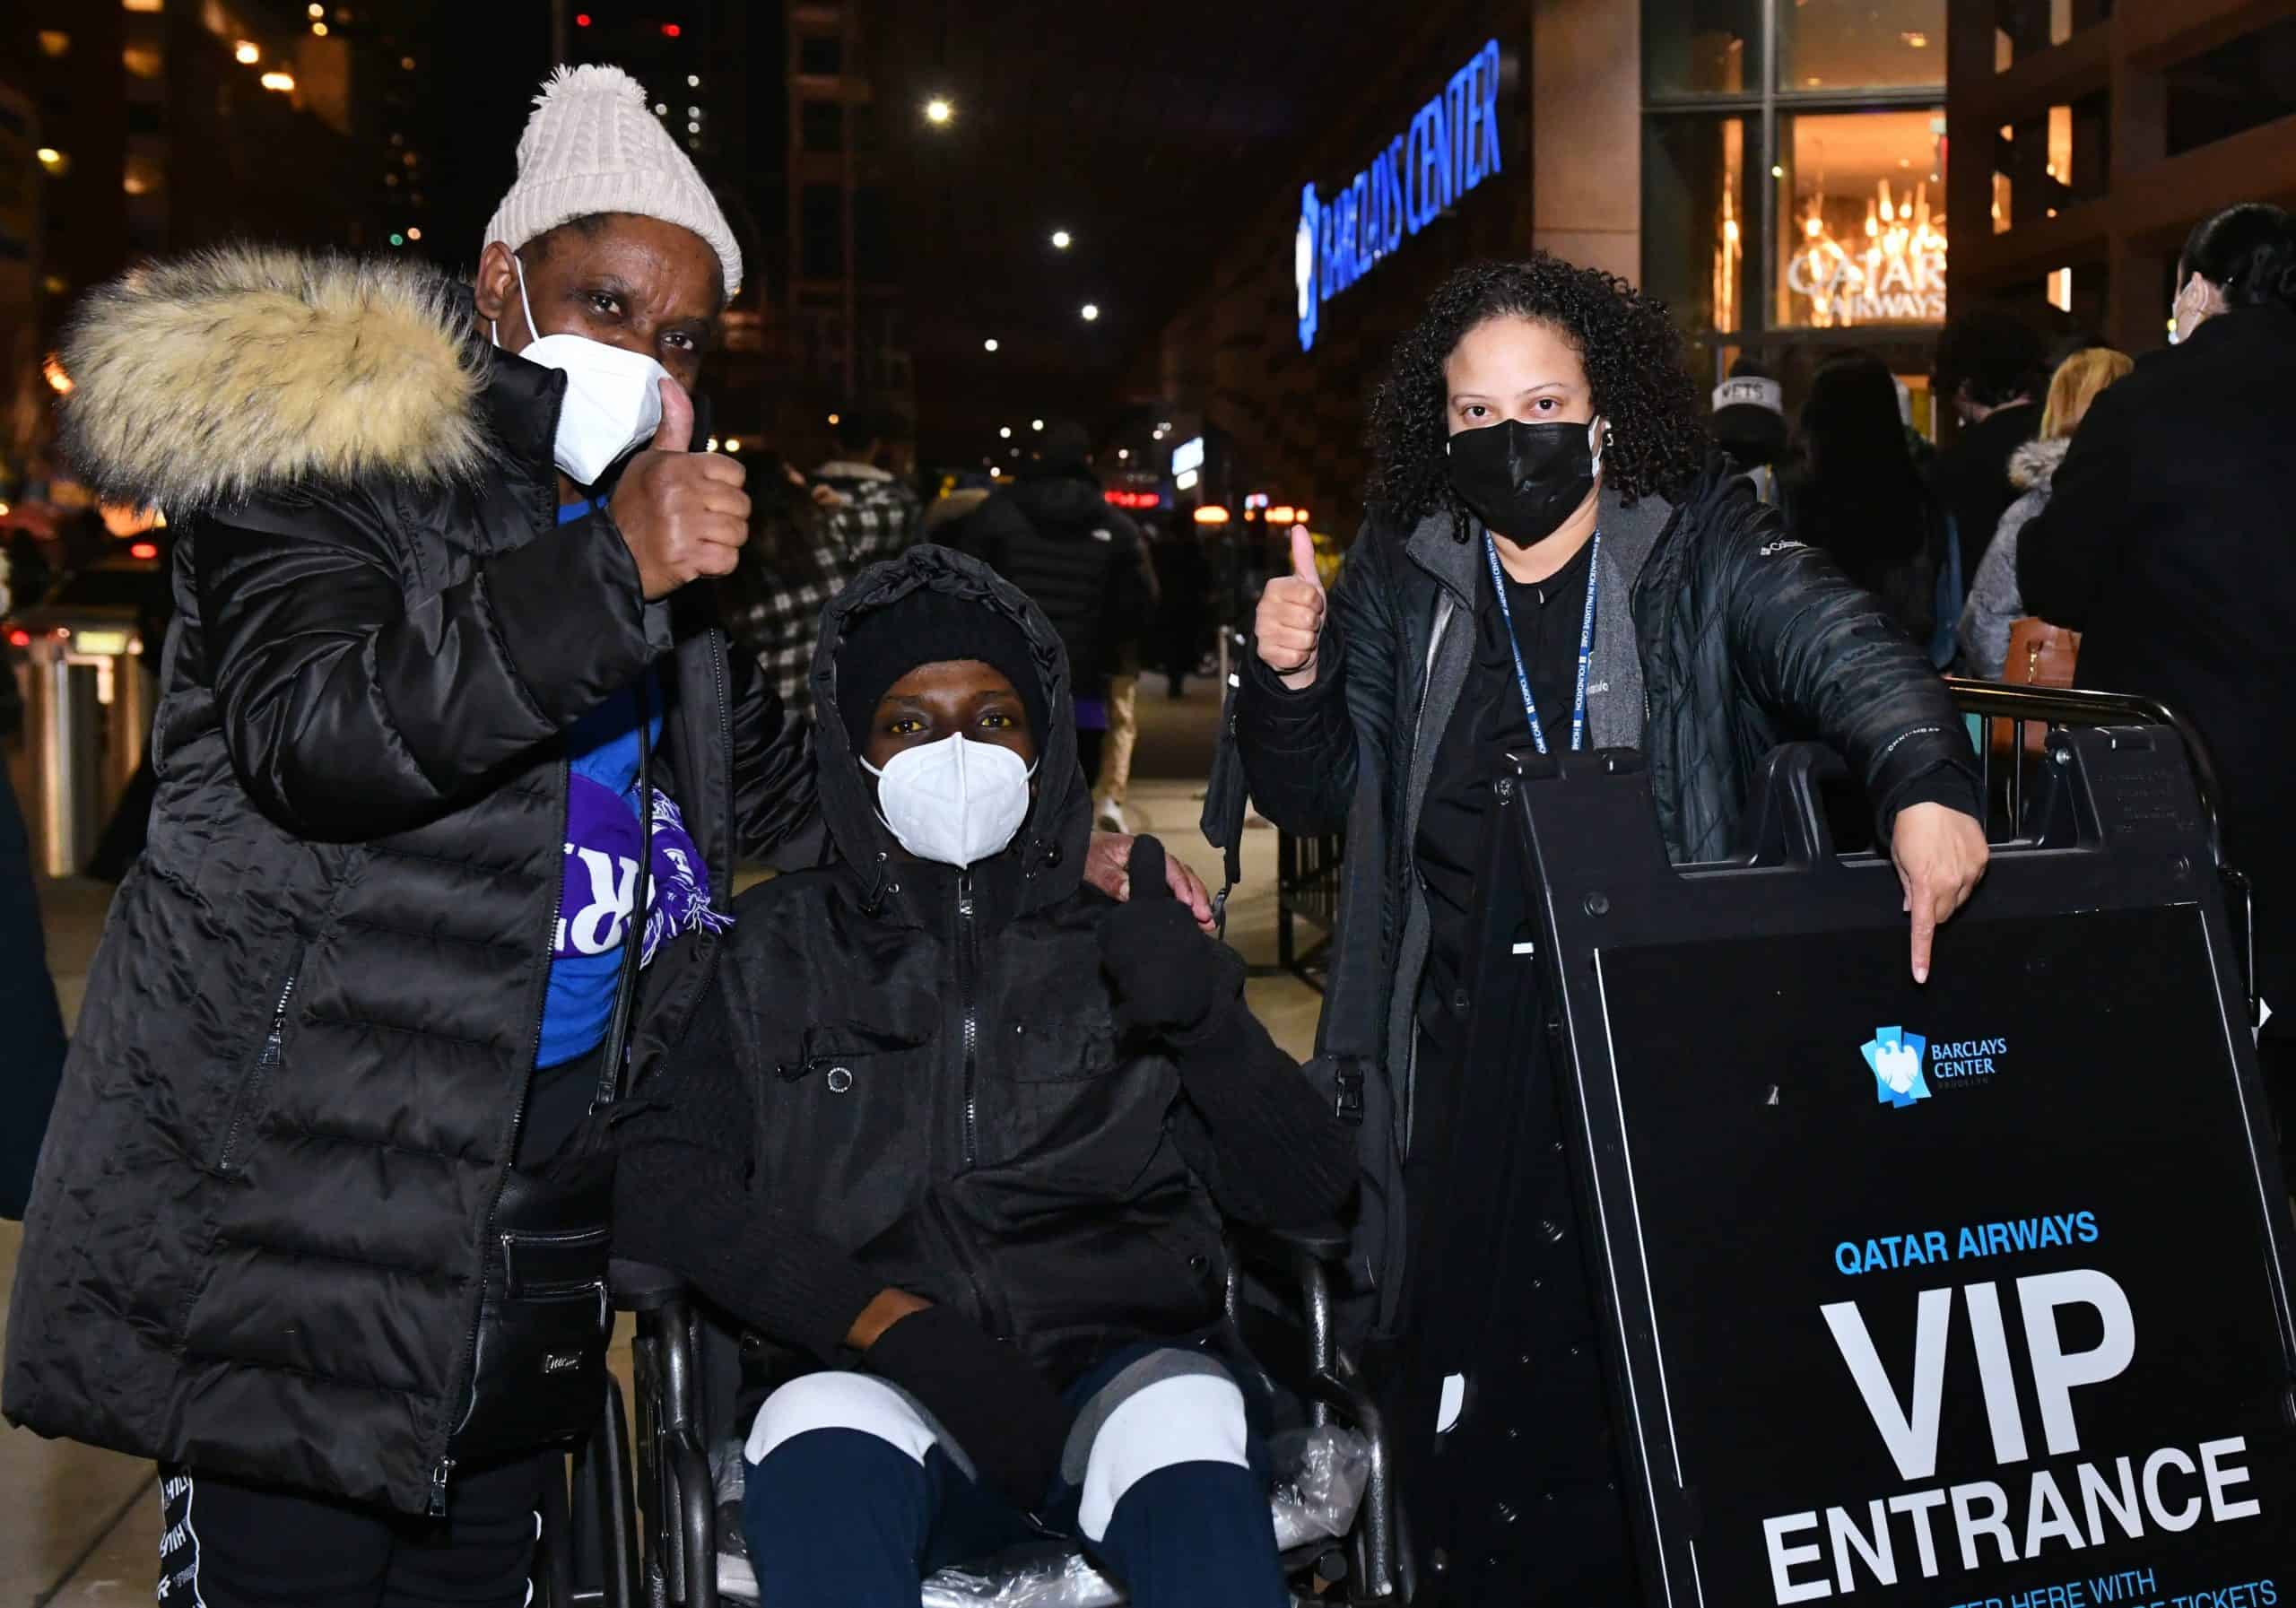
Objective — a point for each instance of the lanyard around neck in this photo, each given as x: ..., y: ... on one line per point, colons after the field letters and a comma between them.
x: 1586, y: 643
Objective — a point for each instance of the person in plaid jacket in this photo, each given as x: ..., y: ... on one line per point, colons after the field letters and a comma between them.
x: 809, y: 543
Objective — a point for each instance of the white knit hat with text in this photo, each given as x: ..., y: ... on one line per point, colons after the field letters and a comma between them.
x: 593, y: 145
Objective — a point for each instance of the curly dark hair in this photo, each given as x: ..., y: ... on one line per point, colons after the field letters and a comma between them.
x: 1635, y: 364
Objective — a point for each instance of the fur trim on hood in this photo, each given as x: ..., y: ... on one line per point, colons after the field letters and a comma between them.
x: 248, y: 369
x: 2034, y: 464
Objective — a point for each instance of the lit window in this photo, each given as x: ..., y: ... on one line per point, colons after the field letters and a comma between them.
x: 54, y: 41
x: 1867, y: 230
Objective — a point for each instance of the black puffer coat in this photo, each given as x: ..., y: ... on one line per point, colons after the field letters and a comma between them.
x: 1736, y: 638
x: 254, y: 1243
x: 911, y: 1076
x: 1055, y: 536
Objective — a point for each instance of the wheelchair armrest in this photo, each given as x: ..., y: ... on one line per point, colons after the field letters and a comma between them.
x: 1280, y: 1250
x: 641, y: 1286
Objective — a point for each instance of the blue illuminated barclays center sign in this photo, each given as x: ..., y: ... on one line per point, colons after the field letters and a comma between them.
x: 1451, y: 146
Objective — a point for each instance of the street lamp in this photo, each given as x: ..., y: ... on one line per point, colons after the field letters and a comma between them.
x: 989, y: 345
x: 1061, y: 240
x: 1036, y: 424
x: 938, y: 110
x: 1004, y: 432
x: 1089, y: 311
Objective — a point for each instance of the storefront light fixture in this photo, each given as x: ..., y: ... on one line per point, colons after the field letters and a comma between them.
x: 278, y: 82
x: 51, y: 159
x: 1185, y: 480
x: 1211, y: 513
x: 246, y: 53
x: 314, y: 10
x: 318, y: 29
x: 58, y: 381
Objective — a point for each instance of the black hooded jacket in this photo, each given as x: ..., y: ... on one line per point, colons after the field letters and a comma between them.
x: 1734, y: 637
x: 910, y: 1075
x: 254, y: 1242
x: 1082, y: 562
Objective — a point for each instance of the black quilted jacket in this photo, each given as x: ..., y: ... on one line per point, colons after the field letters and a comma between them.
x: 254, y: 1242
x: 1736, y: 639
x: 1055, y: 538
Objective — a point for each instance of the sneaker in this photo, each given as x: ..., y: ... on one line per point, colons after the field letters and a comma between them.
x: 1108, y: 817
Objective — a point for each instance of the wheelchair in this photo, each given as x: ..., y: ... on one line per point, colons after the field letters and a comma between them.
x: 637, y: 1524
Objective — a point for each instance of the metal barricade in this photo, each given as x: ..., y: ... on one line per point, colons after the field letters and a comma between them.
x: 1307, y: 890
x: 87, y: 712
x: 2009, y: 772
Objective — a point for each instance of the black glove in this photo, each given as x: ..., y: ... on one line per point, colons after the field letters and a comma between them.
x: 1169, y: 976
x: 1007, y: 1419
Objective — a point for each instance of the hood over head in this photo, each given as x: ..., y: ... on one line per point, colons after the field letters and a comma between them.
x: 211, y: 378
x: 1046, y: 861
x: 2034, y: 463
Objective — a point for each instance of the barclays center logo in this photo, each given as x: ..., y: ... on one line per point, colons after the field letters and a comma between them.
x: 1894, y: 1056
x: 1906, y: 1065
x: 1453, y: 144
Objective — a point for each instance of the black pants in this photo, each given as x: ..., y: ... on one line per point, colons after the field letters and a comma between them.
x: 229, y: 1544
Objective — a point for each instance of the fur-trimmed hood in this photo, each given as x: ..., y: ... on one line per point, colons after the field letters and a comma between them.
x: 2034, y: 464
x: 247, y: 369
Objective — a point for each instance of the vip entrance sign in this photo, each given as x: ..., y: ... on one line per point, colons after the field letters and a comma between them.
x: 1451, y: 146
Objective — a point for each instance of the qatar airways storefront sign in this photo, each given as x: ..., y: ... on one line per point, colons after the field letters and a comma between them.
x: 1451, y: 146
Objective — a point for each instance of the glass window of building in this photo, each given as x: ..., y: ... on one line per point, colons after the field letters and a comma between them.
x: 1791, y: 200
x: 1863, y: 239
x: 821, y: 127
x: 1699, y: 218
x: 1702, y: 47
x: 821, y: 55
x: 1829, y: 45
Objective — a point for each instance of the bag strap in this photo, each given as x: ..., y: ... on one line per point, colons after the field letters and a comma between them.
x: 633, y: 933
x: 1227, y: 795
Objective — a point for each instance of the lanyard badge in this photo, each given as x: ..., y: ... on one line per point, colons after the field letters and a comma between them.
x: 1586, y: 643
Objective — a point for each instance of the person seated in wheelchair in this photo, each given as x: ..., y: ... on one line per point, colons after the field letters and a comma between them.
x: 964, y: 1131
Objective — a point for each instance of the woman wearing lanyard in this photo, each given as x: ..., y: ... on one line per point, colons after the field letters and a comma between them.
x: 1551, y: 563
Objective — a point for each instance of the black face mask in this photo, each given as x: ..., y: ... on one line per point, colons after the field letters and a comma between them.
x: 1523, y: 480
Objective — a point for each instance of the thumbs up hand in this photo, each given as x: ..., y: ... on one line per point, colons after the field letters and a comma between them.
x: 1166, y: 975
x: 1290, y: 623
x: 683, y: 513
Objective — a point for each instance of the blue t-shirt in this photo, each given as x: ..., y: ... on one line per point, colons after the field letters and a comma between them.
x: 601, y: 871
